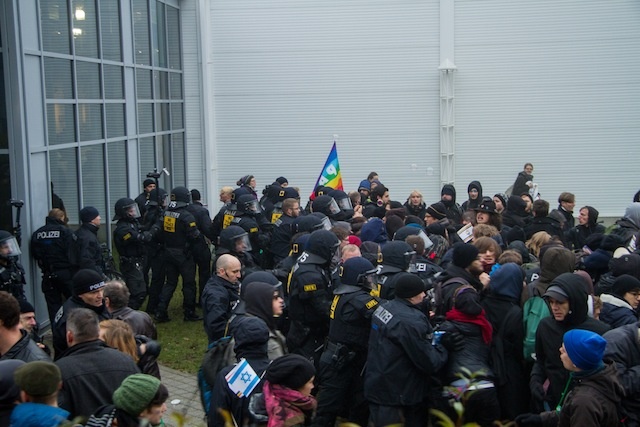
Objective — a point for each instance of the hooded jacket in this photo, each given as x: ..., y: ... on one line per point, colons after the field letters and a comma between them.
x: 550, y: 334
x: 623, y: 348
x: 629, y: 225
x: 520, y: 185
x: 577, y: 236
x: 555, y: 261
x: 454, y: 212
x: 616, y: 311
x: 472, y: 204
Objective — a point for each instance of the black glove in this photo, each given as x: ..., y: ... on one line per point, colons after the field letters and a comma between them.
x: 537, y: 396
x: 452, y: 341
x: 525, y: 420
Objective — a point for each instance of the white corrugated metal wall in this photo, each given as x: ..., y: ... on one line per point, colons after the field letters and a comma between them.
x: 549, y: 82
x: 552, y: 83
x: 288, y: 75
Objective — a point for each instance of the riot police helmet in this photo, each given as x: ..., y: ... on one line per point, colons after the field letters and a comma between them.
x: 8, y: 245
x: 235, y: 239
x: 158, y: 194
x: 342, y: 199
x: 324, y: 244
x: 291, y: 193
x: 307, y: 223
x: 409, y: 230
x: 248, y: 204
x: 325, y: 204
x: 126, y: 208
x: 326, y: 222
x: 180, y: 197
x: 235, y: 194
x: 397, y: 256
x: 321, y: 190
x: 357, y: 271
x: 300, y: 241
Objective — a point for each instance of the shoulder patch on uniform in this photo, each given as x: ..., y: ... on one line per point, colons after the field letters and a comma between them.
x: 253, y: 230
x: 371, y: 304
x: 126, y: 236
x: 310, y: 288
x: 192, y: 224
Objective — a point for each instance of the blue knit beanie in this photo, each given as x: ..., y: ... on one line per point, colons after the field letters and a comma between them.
x: 584, y: 348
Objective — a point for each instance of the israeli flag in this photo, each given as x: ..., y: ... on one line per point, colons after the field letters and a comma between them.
x: 242, y: 379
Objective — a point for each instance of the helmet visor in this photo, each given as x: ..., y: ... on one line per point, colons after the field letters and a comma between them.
x: 333, y: 207
x: 254, y: 206
x: 131, y: 211
x: 9, y: 247
x: 365, y: 280
x: 345, y: 204
x: 242, y: 243
x: 326, y: 223
x: 412, y: 259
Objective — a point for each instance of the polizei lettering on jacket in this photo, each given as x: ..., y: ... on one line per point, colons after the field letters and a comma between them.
x: 384, y: 315
x: 48, y: 235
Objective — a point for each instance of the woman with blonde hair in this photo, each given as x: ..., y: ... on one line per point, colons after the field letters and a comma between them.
x: 415, y: 204
x: 118, y: 334
x: 537, y: 241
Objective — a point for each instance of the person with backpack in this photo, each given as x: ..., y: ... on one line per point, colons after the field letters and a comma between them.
x: 567, y: 299
x: 592, y: 393
x: 502, y: 308
x: 554, y: 260
x: 465, y: 269
x: 467, y: 318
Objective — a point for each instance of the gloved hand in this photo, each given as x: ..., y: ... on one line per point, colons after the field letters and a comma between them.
x: 452, y: 341
x: 537, y: 396
x: 528, y: 420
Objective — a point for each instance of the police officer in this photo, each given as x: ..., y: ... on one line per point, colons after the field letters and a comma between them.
x: 179, y: 232
x: 130, y: 241
x: 51, y: 246
x: 155, y: 248
x: 235, y: 241
x: 226, y: 213
x: 420, y: 243
x: 201, y: 250
x: 402, y: 359
x: 309, y: 290
x: 283, y: 231
x: 248, y: 216
x: 344, y: 204
x: 397, y: 256
x: 343, y: 360
x: 12, y: 277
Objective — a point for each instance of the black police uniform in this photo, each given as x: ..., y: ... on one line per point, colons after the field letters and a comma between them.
x: 281, y: 238
x: 309, y: 291
x: 130, y: 240
x: 400, y: 364
x: 12, y: 277
x: 344, y: 358
x: 155, y: 256
x: 52, y: 246
x: 200, y: 248
x: 179, y: 233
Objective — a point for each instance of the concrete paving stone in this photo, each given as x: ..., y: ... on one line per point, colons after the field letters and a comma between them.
x: 182, y: 387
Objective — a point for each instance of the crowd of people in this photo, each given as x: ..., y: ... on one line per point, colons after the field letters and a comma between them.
x: 354, y: 308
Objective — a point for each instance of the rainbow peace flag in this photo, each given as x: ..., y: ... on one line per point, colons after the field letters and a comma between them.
x: 330, y: 175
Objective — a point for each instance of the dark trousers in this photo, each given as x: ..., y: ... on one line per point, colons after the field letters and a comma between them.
x: 341, y: 392
x: 56, y: 288
x: 202, y: 258
x: 409, y: 416
x: 177, y: 264
x: 158, y: 276
x: 131, y: 269
x: 482, y: 407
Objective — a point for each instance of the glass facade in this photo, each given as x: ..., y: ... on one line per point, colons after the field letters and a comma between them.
x: 90, y: 132
x: 5, y: 176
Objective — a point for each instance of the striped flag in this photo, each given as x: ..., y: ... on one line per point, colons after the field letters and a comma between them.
x: 330, y: 175
x: 242, y: 379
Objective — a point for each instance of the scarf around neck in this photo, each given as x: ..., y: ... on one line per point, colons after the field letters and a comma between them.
x: 487, y: 330
x: 286, y: 407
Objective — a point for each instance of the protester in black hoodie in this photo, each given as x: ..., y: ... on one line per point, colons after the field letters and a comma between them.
x: 567, y: 299
x: 448, y: 198
x: 587, y: 225
x: 502, y: 308
x: 474, y: 189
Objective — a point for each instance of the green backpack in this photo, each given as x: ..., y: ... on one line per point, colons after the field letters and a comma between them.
x: 535, y: 309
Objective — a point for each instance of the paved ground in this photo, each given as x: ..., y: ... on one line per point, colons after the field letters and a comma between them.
x: 184, y: 398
